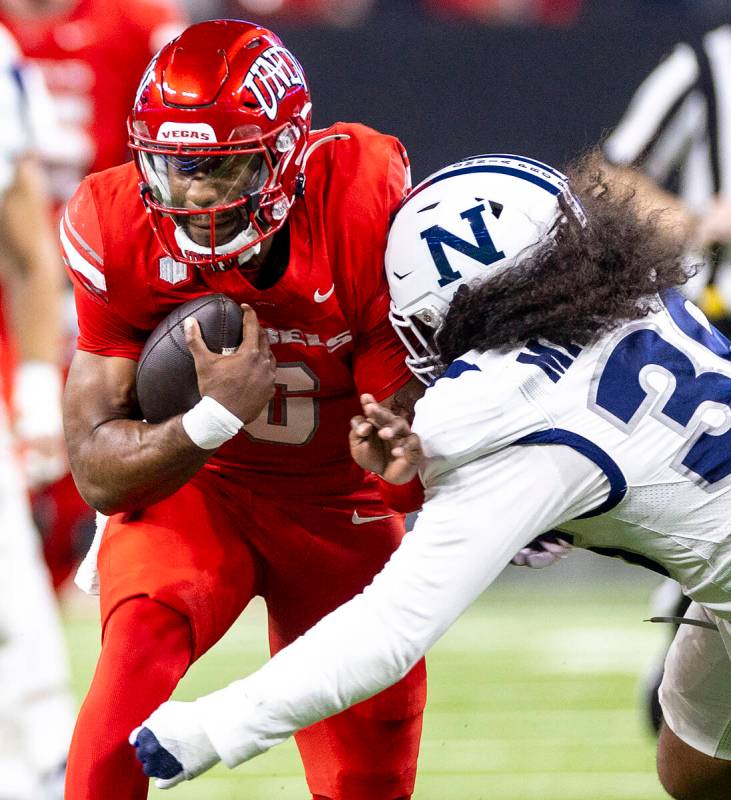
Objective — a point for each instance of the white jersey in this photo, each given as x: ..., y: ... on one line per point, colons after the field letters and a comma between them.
x: 647, y: 404
x: 25, y: 108
x: 13, y: 132
x: 624, y: 443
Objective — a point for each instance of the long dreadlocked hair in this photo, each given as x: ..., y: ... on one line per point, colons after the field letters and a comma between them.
x: 583, y: 282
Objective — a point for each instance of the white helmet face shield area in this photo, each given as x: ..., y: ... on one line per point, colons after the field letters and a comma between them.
x: 460, y: 226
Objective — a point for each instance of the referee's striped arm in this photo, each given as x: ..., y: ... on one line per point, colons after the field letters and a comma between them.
x: 666, y: 114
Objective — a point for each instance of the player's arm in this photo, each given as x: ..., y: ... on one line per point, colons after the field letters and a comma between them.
x: 35, y: 274
x: 475, y: 518
x: 31, y: 263
x: 120, y: 463
x: 383, y: 442
x: 32, y: 276
x: 373, y: 440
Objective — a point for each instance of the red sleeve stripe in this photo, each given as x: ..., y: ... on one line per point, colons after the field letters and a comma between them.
x: 80, y: 257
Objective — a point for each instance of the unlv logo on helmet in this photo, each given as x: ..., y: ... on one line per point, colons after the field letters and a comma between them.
x: 269, y: 77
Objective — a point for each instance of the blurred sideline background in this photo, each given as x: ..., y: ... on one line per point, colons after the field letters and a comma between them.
x: 534, y: 693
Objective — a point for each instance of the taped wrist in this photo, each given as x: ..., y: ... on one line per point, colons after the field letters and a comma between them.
x: 209, y: 424
x: 37, y: 399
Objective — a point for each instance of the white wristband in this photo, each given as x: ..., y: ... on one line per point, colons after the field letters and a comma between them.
x: 37, y: 399
x: 209, y: 424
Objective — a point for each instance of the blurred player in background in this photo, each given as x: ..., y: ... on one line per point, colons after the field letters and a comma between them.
x: 245, y: 200
x: 673, y: 146
x: 576, y: 390
x: 92, y: 54
x: 549, y: 12
x: 342, y: 13
x: 36, y: 709
x: 351, y: 12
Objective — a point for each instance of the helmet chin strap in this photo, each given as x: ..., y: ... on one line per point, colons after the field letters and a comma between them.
x: 185, y: 243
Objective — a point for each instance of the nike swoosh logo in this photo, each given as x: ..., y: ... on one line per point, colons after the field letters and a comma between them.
x: 358, y: 520
x: 320, y: 298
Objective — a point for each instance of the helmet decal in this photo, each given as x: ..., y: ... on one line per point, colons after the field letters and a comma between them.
x: 437, y: 238
x: 269, y: 77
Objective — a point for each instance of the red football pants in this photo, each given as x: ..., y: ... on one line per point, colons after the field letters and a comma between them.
x: 175, y: 577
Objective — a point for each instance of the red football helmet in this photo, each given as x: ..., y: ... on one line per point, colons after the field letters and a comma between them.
x: 219, y: 130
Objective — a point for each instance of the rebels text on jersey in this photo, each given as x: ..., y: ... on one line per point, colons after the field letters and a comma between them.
x: 326, y: 317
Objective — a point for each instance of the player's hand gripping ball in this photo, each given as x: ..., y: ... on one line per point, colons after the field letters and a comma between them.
x: 167, y: 383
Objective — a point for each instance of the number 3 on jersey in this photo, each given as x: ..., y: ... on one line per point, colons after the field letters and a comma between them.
x: 292, y: 416
x: 644, y: 373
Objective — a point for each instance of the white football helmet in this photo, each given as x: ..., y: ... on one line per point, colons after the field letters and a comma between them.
x: 458, y: 226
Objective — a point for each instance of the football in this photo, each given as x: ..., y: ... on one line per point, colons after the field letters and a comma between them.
x: 166, y: 379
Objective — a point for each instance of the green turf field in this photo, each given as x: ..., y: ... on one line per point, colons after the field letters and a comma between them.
x: 532, y: 696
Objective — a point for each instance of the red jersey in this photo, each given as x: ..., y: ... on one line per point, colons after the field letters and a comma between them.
x: 92, y: 57
x: 327, y: 316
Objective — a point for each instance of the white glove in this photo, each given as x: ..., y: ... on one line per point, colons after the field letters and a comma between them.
x: 172, y: 746
x: 542, y: 552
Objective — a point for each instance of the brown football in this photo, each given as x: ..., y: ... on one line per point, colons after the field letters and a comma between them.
x: 166, y: 379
